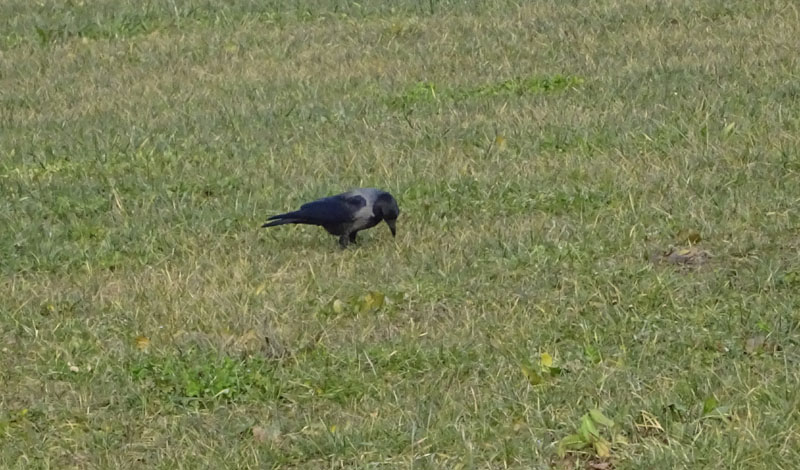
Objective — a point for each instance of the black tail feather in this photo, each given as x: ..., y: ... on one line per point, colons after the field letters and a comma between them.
x: 282, y: 222
x: 288, y: 215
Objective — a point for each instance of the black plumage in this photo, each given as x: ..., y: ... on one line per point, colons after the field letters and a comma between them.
x: 344, y: 215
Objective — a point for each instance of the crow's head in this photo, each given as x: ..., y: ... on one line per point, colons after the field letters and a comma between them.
x: 386, y: 208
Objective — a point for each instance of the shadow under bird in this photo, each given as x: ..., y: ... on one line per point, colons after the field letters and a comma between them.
x: 344, y: 215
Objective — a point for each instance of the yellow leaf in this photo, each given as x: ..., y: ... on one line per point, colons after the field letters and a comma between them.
x: 338, y: 306
x: 333, y: 429
x: 601, y: 448
x: 261, y: 288
x: 377, y: 299
x: 546, y: 360
x: 373, y: 300
x: 141, y: 342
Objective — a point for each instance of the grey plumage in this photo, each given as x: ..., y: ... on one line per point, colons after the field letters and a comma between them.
x: 344, y: 215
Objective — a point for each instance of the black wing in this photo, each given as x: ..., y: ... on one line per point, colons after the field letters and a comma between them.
x: 326, y: 211
x: 332, y: 210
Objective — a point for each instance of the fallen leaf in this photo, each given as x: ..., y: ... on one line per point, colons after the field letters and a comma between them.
x: 261, y: 288
x: 259, y: 434
x: 602, y: 448
x: 373, y: 300
x: 600, y: 465
x: 692, y: 256
x: 533, y: 377
x: 546, y: 360
x: 141, y: 342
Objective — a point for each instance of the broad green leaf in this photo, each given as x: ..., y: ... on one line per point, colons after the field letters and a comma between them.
x: 600, y: 418
x: 588, y: 430
x: 571, y: 442
x: 710, y: 405
x: 192, y: 389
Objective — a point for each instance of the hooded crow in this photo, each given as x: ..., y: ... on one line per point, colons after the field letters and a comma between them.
x: 344, y: 215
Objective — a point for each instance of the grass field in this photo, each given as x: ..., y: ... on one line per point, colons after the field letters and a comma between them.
x: 546, y: 156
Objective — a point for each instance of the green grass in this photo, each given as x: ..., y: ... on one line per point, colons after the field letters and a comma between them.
x: 543, y: 155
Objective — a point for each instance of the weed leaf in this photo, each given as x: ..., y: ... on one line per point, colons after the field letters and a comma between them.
x: 571, y: 442
x: 601, y: 448
x: 588, y: 430
x: 709, y: 405
x: 599, y: 418
x: 546, y: 360
x: 533, y: 377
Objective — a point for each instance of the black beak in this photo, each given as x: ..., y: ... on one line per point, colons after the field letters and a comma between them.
x: 392, y: 227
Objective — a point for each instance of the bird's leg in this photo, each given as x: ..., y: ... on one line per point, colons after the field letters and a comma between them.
x: 344, y: 241
x: 353, y: 237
